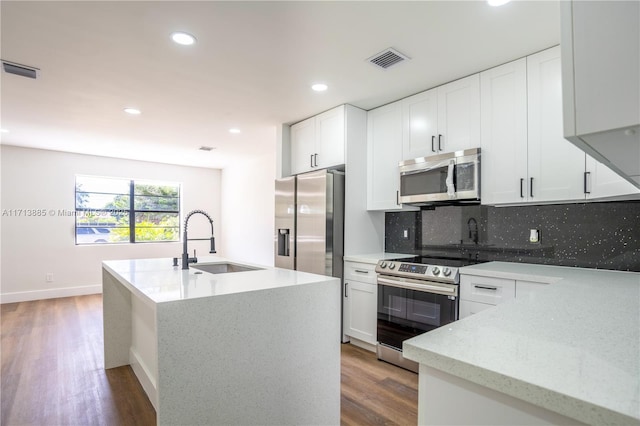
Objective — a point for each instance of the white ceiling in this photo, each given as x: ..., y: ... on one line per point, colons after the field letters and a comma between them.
x: 251, y: 67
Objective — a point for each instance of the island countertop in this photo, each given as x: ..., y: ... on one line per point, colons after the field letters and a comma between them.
x: 158, y: 281
x: 572, y: 347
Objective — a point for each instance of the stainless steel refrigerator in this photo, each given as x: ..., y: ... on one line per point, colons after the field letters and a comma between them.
x: 309, y: 222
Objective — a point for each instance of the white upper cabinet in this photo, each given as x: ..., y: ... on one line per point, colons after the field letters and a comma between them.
x: 555, y: 165
x: 601, y: 80
x: 419, y: 125
x: 459, y: 114
x: 303, y: 143
x: 330, y: 137
x: 525, y: 157
x: 384, y: 152
x: 444, y: 119
x: 503, y: 94
x: 601, y: 182
x: 318, y: 142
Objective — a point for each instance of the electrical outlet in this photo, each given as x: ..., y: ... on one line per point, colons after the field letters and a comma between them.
x: 49, y: 277
x: 405, y: 234
x: 534, y: 236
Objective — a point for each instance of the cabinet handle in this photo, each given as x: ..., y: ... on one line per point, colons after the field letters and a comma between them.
x: 315, y: 160
x: 587, y: 175
x: 439, y: 142
x: 521, y: 183
x: 485, y: 287
x: 531, y: 187
x: 433, y: 143
x: 361, y: 271
x: 345, y: 290
x: 311, y: 160
x: 398, y: 198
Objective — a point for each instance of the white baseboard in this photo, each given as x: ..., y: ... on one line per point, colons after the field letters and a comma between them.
x: 145, y: 378
x: 54, y: 293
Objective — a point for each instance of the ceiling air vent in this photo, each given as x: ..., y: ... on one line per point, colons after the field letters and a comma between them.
x: 18, y: 69
x: 206, y: 148
x: 387, y: 58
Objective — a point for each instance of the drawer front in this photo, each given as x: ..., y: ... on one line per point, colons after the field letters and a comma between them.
x: 468, y: 308
x: 362, y: 272
x: 487, y: 290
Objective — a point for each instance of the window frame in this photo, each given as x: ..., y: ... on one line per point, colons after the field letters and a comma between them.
x: 132, y: 211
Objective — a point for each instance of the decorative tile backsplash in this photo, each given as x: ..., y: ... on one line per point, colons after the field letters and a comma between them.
x: 590, y: 235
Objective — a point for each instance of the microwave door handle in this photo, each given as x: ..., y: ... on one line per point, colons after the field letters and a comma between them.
x: 451, y: 189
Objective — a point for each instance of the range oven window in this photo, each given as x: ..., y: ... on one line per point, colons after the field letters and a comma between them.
x: 405, y: 313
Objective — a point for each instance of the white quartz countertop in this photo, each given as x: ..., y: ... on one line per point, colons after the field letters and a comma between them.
x: 373, y: 258
x: 159, y: 281
x: 573, y: 347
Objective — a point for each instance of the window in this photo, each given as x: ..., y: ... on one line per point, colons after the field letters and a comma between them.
x: 111, y: 210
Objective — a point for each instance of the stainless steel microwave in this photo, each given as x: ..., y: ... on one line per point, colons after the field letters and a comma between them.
x: 452, y: 177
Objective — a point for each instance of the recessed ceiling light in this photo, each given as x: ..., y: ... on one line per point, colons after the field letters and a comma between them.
x: 184, y: 39
x: 132, y: 111
x: 234, y: 130
x: 497, y: 2
x: 4, y: 131
x: 319, y: 87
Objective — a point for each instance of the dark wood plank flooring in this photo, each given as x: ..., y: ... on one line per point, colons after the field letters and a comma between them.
x: 52, y: 373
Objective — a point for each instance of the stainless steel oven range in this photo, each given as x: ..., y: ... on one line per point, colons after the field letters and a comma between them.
x: 413, y: 298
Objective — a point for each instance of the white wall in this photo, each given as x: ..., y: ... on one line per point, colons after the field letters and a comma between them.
x: 35, y: 246
x: 248, y: 206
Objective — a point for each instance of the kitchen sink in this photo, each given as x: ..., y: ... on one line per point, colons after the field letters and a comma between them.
x: 223, y: 268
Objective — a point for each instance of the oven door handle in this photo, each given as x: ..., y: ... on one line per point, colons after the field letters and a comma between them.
x: 425, y: 288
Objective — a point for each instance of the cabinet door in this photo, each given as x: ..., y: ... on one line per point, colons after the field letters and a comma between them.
x: 601, y: 181
x: 303, y: 137
x: 528, y: 289
x: 459, y: 115
x: 503, y: 97
x: 555, y: 165
x: 420, y: 125
x: 468, y: 308
x: 384, y: 152
x: 330, y: 138
x: 360, y: 311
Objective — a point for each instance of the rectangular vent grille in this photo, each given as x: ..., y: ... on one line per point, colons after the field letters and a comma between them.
x: 387, y: 58
x: 206, y: 148
x: 21, y: 70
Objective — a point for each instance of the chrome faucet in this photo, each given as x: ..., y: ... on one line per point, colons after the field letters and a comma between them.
x: 186, y: 260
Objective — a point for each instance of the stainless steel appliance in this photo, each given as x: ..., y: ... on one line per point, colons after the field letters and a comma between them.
x: 413, y: 298
x: 452, y: 177
x: 309, y: 222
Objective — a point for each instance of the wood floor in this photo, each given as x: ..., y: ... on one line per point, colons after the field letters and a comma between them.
x: 53, y: 373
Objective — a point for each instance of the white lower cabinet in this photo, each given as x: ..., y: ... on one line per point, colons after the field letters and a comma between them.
x: 527, y: 289
x: 487, y: 290
x: 478, y: 293
x: 360, y: 308
x: 468, y: 308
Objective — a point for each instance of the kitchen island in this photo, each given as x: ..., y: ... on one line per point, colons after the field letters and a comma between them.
x: 566, y: 354
x: 254, y: 347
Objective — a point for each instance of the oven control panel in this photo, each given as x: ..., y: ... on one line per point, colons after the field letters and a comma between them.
x: 418, y: 271
x: 413, y: 268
